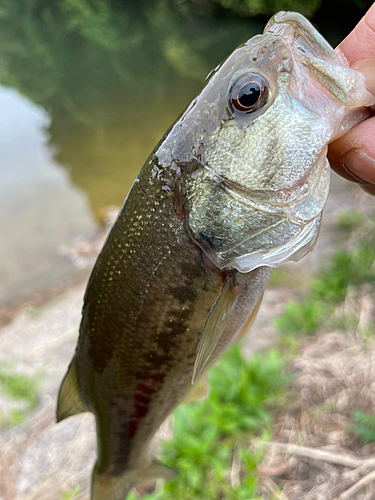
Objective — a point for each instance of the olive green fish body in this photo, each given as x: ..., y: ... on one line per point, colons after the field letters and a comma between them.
x: 141, y: 320
x: 145, y: 307
x: 235, y: 188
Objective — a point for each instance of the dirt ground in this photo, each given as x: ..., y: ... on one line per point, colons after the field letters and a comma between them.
x: 310, y: 455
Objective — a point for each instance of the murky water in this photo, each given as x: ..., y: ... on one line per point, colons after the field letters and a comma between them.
x: 40, y: 208
x: 88, y: 92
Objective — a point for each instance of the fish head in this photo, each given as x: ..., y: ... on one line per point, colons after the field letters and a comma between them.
x: 258, y: 133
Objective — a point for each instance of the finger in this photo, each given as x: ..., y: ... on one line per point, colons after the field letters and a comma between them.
x: 352, y: 155
x: 369, y: 188
x: 360, y: 43
x: 367, y: 68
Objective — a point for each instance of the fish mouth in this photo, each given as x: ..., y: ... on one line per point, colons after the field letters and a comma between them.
x: 297, y: 31
x: 310, y: 50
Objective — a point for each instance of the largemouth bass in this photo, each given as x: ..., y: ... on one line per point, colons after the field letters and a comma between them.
x: 235, y: 188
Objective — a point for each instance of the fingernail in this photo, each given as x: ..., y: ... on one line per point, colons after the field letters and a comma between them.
x: 359, y: 165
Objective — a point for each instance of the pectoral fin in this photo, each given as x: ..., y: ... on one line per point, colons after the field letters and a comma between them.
x: 214, y: 325
x: 69, y: 401
x: 248, y: 322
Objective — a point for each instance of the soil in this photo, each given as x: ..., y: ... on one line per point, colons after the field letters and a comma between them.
x: 313, y: 455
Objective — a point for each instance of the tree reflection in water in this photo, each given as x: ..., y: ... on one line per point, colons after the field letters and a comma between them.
x: 112, y: 76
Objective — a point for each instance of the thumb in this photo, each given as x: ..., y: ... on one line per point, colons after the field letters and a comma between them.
x: 353, y: 155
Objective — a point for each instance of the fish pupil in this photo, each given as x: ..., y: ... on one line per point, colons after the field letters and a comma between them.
x: 249, y: 94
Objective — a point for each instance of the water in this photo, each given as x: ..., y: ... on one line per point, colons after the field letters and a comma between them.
x: 40, y: 208
x: 88, y: 90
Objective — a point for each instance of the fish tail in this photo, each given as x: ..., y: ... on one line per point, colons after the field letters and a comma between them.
x: 69, y: 400
x: 108, y: 487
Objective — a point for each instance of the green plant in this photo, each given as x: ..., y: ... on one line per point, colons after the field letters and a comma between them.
x: 70, y: 494
x: 347, y: 269
x: 210, y: 435
x: 302, y: 317
x: 349, y: 221
x: 20, y: 388
x: 364, y: 427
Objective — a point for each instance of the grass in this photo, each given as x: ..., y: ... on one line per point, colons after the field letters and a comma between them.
x: 70, y: 494
x: 348, y: 270
x: 211, y: 435
x: 363, y: 426
x: 347, y: 222
x: 20, y: 388
x: 305, y: 317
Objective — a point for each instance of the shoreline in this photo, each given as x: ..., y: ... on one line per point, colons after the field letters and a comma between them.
x: 82, y: 256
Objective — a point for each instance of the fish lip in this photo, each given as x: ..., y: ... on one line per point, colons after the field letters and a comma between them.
x: 300, y: 34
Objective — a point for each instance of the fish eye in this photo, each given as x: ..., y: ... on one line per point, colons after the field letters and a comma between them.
x: 248, y: 94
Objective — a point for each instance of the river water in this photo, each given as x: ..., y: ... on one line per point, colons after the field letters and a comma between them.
x: 87, y: 93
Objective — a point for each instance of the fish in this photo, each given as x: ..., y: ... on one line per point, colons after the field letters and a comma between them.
x: 235, y: 188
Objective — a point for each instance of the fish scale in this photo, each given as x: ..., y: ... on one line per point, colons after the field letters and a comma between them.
x: 231, y: 191
x: 150, y: 322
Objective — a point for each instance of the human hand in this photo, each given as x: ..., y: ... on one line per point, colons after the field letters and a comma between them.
x: 353, y: 155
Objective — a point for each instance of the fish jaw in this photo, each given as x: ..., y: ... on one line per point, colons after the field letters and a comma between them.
x: 264, y: 178
x: 316, y: 62
x: 261, y: 204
